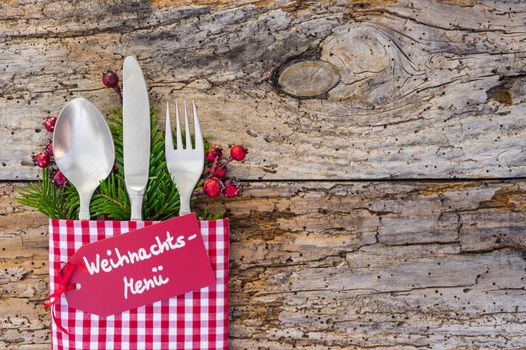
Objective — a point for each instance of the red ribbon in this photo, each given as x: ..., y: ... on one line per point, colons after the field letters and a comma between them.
x: 61, y: 287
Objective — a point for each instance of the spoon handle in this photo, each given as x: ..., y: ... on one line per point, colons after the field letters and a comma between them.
x: 85, y: 199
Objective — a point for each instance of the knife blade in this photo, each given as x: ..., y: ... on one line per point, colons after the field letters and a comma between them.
x: 136, y: 134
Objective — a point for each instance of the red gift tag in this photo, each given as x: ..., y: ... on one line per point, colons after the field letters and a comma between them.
x: 140, y: 267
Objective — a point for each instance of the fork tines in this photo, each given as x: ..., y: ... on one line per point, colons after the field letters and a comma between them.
x: 197, y: 130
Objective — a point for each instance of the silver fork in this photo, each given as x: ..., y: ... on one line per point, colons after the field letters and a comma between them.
x: 184, y: 164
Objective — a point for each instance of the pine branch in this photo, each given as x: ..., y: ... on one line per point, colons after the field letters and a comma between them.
x: 52, y: 201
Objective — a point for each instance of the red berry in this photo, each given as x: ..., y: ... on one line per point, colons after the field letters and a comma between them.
x: 220, y: 173
x: 213, y: 153
x: 42, y: 159
x: 49, y: 148
x: 59, y: 179
x: 232, y: 188
x: 238, y: 152
x: 110, y: 79
x: 49, y: 123
x: 212, y: 187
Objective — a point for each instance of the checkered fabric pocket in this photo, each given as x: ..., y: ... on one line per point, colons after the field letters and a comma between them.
x: 195, y: 320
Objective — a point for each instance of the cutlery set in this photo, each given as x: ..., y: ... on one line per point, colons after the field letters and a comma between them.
x: 84, y: 150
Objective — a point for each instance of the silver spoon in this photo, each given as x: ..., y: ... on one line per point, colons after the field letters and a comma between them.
x: 83, y: 149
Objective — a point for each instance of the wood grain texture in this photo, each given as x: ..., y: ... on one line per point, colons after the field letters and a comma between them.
x: 395, y: 265
x: 318, y: 90
x: 422, y: 89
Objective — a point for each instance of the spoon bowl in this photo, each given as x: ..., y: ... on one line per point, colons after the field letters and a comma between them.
x: 83, y: 149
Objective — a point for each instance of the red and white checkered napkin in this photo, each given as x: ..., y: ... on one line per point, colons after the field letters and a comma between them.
x: 196, y: 320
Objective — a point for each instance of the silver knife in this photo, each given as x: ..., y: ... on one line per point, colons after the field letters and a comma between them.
x: 136, y: 134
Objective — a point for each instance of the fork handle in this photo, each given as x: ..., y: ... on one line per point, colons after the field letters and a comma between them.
x: 184, y: 201
x: 184, y: 211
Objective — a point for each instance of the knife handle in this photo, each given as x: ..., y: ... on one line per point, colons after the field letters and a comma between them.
x: 136, y: 206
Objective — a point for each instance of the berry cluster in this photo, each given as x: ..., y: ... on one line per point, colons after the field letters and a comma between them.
x: 216, y: 180
x: 45, y: 159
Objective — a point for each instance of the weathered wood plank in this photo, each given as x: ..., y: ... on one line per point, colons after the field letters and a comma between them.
x: 421, y: 88
x: 401, y: 265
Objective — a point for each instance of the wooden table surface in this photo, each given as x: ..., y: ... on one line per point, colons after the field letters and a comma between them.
x: 385, y: 189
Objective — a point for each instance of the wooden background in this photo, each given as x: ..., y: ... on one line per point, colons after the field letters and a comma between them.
x: 385, y: 202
